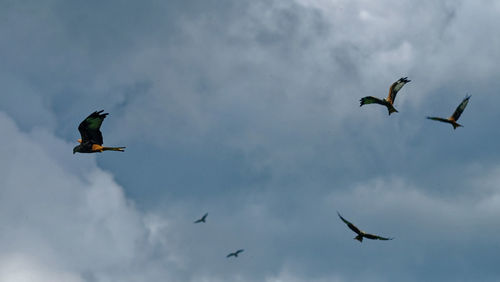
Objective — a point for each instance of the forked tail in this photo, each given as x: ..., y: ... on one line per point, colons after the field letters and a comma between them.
x: 119, y: 149
x: 455, y: 125
x: 391, y: 109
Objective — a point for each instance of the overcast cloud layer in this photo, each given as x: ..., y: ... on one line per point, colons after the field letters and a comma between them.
x: 249, y: 110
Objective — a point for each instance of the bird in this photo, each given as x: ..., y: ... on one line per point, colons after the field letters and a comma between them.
x: 235, y: 254
x: 456, y: 115
x: 362, y: 234
x: 202, y: 219
x: 389, y: 101
x: 91, y: 141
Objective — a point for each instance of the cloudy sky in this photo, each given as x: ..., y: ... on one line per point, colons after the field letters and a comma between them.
x: 249, y: 110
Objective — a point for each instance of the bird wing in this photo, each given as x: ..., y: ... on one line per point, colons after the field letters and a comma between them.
x: 198, y: 221
x: 395, y: 87
x: 375, y: 237
x: 439, y: 119
x: 230, y: 255
x: 460, y: 108
x: 90, y: 128
x: 350, y: 225
x: 370, y: 100
x: 204, y: 216
x: 239, y: 251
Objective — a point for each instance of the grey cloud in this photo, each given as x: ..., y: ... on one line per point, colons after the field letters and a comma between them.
x: 250, y: 111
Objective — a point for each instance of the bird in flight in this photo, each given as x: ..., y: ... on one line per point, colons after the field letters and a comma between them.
x: 91, y: 141
x: 202, y: 219
x: 361, y: 234
x: 235, y: 254
x: 389, y: 101
x: 456, y: 115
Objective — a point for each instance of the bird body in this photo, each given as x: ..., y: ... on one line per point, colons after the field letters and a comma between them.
x: 91, y: 141
x: 456, y: 115
x: 360, y: 233
x: 235, y: 254
x: 389, y: 101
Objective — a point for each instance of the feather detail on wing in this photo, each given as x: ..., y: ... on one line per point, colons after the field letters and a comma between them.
x: 371, y: 100
x: 375, y: 237
x: 439, y: 119
x: 395, y: 87
x: 90, y: 128
x: 460, y: 108
x: 350, y: 225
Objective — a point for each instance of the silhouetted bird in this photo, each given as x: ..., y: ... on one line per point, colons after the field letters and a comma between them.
x: 456, y: 115
x: 389, y: 101
x: 202, y: 219
x: 235, y: 254
x: 360, y: 233
x: 90, y: 132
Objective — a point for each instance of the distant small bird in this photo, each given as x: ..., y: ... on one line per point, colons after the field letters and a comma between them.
x: 456, y: 115
x: 202, y: 219
x: 389, y: 101
x: 360, y: 233
x: 90, y: 132
x: 235, y: 254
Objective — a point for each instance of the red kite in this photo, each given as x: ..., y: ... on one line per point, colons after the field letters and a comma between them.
x: 456, y: 115
x: 91, y: 141
x: 361, y: 234
x: 389, y: 101
x: 235, y: 254
x: 204, y: 217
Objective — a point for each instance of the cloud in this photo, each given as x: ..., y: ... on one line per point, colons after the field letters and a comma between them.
x: 249, y: 110
x: 63, y: 217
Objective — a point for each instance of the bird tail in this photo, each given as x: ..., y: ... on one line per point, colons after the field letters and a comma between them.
x: 359, y: 238
x: 455, y: 125
x: 119, y: 149
x: 391, y: 109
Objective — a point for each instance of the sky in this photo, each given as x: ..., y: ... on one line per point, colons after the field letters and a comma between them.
x: 249, y: 110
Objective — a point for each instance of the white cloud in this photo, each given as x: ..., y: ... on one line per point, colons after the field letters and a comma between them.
x: 275, y: 86
x: 23, y: 268
x: 62, y: 216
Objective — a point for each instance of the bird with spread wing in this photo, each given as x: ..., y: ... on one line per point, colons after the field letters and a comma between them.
x: 202, y: 219
x: 456, y: 115
x: 389, y: 101
x: 235, y: 254
x: 91, y: 141
x: 361, y: 234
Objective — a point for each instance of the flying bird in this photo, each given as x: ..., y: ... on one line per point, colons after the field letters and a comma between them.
x: 91, y: 141
x: 361, y: 234
x: 456, y: 115
x: 389, y: 101
x: 235, y: 254
x: 202, y: 219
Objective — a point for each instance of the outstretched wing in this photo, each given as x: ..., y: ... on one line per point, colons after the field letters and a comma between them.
x: 231, y: 255
x: 90, y: 128
x: 239, y: 251
x: 439, y: 119
x: 376, y: 237
x: 395, y: 87
x: 350, y: 225
x: 460, y: 108
x: 370, y: 100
